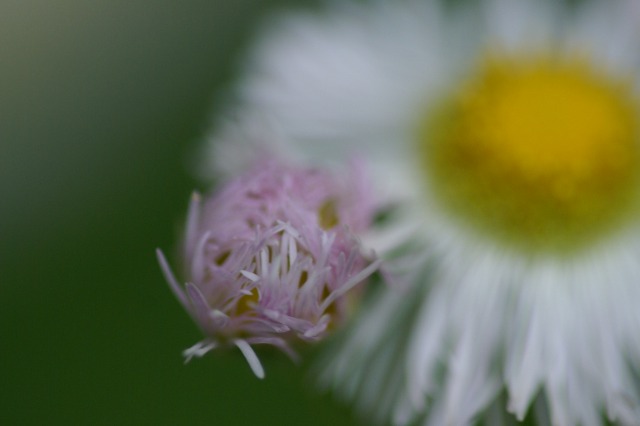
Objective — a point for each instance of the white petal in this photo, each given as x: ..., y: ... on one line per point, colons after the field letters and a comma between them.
x: 251, y: 357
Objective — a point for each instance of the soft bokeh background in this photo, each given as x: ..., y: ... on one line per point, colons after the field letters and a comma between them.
x: 101, y: 103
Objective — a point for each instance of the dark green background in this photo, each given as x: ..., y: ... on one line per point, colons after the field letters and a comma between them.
x: 101, y: 104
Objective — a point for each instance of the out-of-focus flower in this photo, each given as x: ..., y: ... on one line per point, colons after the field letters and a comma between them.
x: 509, y: 130
x: 271, y: 258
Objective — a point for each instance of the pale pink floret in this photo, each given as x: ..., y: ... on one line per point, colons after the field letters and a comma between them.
x: 270, y: 258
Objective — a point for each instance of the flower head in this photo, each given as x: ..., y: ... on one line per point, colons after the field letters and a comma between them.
x: 271, y: 258
x: 509, y: 132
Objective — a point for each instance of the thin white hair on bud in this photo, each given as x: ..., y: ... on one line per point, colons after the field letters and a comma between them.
x: 351, y: 283
x: 193, y: 219
x: 197, y: 265
x: 171, y: 279
x: 198, y: 350
x: 277, y: 342
x: 250, y: 276
x: 200, y: 306
x: 251, y: 357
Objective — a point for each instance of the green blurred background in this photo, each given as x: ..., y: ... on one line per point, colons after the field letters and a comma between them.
x: 101, y: 104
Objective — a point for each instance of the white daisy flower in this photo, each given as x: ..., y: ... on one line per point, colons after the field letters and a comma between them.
x: 509, y: 131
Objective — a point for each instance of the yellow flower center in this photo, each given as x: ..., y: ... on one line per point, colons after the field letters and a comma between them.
x: 539, y: 153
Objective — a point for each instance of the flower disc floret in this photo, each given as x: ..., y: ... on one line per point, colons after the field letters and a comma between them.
x: 541, y: 153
